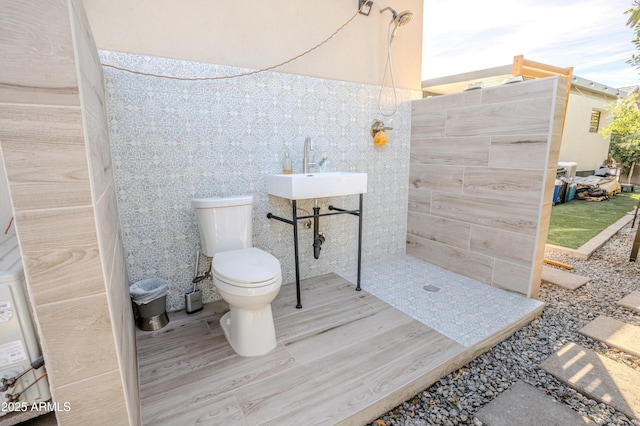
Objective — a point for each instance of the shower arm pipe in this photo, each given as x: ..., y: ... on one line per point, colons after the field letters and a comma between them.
x: 399, y: 19
x: 388, y: 65
x: 294, y: 223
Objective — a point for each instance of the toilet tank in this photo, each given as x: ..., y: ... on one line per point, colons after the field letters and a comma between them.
x: 224, y: 223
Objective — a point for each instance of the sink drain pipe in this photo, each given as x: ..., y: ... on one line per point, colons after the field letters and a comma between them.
x: 318, y: 237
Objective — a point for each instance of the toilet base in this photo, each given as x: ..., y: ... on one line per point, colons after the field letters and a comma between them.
x: 250, y: 332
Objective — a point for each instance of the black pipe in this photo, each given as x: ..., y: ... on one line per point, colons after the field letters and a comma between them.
x: 358, y: 288
x: 318, y: 238
x: 353, y: 212
x: 295, y: 252
x: 272, y: 216
x: 338, y: 211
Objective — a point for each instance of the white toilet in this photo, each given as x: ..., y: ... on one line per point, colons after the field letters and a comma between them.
x: 246, y: 277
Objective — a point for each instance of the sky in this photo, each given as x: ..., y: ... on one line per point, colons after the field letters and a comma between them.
x: 589, y: 35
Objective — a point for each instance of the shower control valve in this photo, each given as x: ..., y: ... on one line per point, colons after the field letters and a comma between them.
x: 378, y: 126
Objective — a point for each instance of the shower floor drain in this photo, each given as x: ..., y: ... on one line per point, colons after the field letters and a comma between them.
x: 431, y: 288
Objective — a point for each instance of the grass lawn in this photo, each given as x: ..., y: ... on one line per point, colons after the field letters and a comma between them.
x: 576, y: 222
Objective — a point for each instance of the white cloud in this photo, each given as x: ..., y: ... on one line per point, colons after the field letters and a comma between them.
x: 590, y: 35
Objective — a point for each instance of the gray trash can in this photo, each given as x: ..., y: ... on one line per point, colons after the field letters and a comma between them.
x: 150, y: 300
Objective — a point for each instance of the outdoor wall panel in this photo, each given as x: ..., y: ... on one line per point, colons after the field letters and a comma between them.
x: 519, y: 92
x: 519, y: 151
x: 60, y: 253
x: 45, y: 156
x: 431, y: 125
x: 100, y: 168
x: 55, y: 148
x: 419, y: 200
x: 506, y: 199
x: 465, y: 151
x: 507, y: 246
x: 441, y: 178
x: 442, y: 103
x: 91, y: 82
x: 463, y: 262
x: 556, y: 141
x: 507, y: 184
x: 437, y: 229
x: 508, y: 276
x: 73, y: 327
x: 492, y: 212
x: 509, y: 118
x: 92, y: 401
x: 35, y: 53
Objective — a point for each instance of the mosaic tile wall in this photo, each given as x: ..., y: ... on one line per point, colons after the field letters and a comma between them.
x: 176, y: 140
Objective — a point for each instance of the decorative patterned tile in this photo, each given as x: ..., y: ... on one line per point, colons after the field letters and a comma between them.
x: 176, y: 140
x: 462, y: 309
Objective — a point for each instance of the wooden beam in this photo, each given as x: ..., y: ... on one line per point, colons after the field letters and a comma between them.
x: 518, y: 62
x: 536, y: 73
x: 554, y: 263
x: 533, y: 65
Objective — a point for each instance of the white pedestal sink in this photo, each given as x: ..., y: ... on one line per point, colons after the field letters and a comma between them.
x: 302, y: 186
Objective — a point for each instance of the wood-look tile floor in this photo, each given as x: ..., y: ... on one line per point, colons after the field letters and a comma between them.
x: 345, y: 358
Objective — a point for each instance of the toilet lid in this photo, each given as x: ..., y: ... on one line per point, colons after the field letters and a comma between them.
x: 246, y: 266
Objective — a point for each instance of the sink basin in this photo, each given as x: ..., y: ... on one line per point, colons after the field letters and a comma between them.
x: 302, y: 186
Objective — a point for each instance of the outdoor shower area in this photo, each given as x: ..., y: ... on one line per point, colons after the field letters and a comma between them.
x: 482, y: 172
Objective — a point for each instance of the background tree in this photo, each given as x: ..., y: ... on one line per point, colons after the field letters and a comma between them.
x: 634, y: 22
x: 624, y: 131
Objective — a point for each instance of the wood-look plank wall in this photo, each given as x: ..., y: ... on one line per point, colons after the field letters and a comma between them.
x: 55, y: 147
x: 482, y: 173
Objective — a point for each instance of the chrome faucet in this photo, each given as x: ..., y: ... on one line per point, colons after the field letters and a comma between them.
x: 306, y: 162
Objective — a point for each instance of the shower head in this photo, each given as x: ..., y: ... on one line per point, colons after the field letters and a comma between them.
x: 399, y: 19
x: 403, y: 17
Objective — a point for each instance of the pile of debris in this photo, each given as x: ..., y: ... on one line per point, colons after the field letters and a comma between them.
x: 600, y: 186
x: 589, y: 193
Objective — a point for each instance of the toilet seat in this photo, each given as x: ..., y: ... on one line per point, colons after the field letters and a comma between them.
x: 247, y: 268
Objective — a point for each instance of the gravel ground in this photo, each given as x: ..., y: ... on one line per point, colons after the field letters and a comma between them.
x: 456, y: 398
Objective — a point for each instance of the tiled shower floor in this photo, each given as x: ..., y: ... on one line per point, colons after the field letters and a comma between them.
x: 462, y: 309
